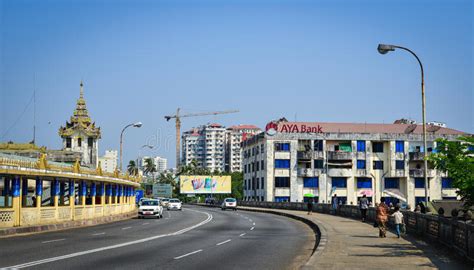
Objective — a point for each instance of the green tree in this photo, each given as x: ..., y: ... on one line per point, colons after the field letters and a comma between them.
x: 132, y: 168
x: 457, y: 159
x: 150, y: 167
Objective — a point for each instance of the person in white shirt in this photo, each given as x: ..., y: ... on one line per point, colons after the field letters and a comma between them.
x: 398, y: 216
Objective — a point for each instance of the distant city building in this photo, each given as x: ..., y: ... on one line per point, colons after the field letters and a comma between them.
x: 108, y: 162
x: 291, y: 159
x: 215, y: 147
x: 80, y: 134
x: 161, y: 163
x: 233, y: 152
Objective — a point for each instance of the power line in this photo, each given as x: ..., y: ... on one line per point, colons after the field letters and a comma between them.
x: 19, y: 117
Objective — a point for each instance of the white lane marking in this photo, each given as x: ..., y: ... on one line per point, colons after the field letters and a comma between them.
x: 146, y: 223
x: 250, y: 220
x: 253, y: 224
x: 76, y: 254
x: 95, y: 234
x: 252, y: 228
x: 187, y: 254
x: 126, y: 228
x: 242, y: 234
x: 221, y: 243
x: 55, y: 240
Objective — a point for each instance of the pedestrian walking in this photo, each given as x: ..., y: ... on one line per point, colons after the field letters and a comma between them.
x: 382, y: 217
x: 334, y: 203
x: 398, y: 216
x: 310, y: 206
x: 363, y: 206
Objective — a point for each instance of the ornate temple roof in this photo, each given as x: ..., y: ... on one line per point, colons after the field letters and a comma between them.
x: 80, y: 121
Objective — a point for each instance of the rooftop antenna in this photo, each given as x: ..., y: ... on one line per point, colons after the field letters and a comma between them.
x: 34, y: 108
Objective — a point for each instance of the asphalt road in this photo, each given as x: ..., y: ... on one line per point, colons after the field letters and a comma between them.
x: 195, y: 238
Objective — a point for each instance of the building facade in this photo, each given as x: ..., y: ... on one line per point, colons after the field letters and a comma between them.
x: 235, y: 135
x: 292, y: 159
x: 108, y: 162
x: 160, y: 163
x: 81, y: 135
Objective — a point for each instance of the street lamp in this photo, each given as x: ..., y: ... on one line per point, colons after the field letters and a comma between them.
x: 383, y: 49
x: 139, y: 152
x: 137, y: 125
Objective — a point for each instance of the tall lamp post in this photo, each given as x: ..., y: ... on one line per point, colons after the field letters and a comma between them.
x: 137, y: 125
x: 139, y: 152
x: 385, y: 48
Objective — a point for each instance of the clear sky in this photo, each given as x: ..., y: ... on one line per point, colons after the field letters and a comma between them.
x: 304, y: 60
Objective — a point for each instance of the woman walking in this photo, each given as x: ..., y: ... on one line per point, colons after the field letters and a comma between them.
x: 363, y: 205
x: 382, y: 217
x: 398, y: 216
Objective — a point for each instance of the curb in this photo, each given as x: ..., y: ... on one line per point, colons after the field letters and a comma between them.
x: 317, y: 227
x: 17, y: 231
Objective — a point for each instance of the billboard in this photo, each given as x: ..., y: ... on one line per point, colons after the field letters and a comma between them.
x: 205, y: 184
x: 162, y: 190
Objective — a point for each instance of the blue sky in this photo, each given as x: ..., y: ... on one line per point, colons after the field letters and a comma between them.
x: 305, y: 60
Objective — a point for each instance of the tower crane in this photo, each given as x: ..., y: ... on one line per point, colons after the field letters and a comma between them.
x: 178, y: 126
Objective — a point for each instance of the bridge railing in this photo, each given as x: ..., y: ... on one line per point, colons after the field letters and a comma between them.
x: 453, y: 233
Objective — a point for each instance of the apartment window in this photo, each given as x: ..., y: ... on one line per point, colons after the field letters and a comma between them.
x: 282, y: 199
x: 360, y: 146
x: 310, y: 182
x: 419, y: 182
x: 392, y: 183
x: 400, y: 164
x: 258, y: 183
x: 318, y: 145
x: 339, y: 182
x: 446, y: 182
x: 261, y: 165
x: 364, y: 182
x: 245, y: 168
x: 90, y: 142
x: 282, y: 146
x: 399, y: 146
x: 282, y: 182
x: 68, y: 142
x: 378, y: 165
x: 261, y: 148
x: 258, y: 165
x: 318, y: 163
x: 361, y: 164
x: 282, y: 163
x: 79, y: 142
x: 377, y: 147
x: 263, y: 182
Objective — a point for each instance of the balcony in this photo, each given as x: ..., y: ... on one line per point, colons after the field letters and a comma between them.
x: 420, y: 173
x: 397, y: 173
x: 339, y: 172
x: 332, y: 155
x: 361, y: 172
x: 416, y: 155
x: 310, y: 154
x: 308, y: 172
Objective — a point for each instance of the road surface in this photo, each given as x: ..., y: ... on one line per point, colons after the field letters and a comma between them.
x: 195, y: 238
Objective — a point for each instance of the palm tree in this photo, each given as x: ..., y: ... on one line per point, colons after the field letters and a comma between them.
x: 132, y: 168
x: 150, y: 167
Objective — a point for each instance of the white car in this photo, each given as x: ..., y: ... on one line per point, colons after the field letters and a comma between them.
x: 150, y: 208
x: 229, y: 203
x: 164, y: 202
x: 175, y: 204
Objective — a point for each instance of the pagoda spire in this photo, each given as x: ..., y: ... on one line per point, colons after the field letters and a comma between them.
x: 82, y: 90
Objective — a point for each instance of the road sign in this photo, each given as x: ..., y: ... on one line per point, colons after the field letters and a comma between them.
x: 162, y: 190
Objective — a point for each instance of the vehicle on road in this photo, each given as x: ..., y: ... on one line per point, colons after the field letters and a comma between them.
x: 229, y: 203
x: 150, y: 208
x: 210, y: 201
x: 141, y: 200
x: 164, y: 202
x: 175, y: 204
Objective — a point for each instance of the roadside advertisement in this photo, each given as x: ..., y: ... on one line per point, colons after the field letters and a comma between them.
x: 205, y: 184
x: 162, y: 190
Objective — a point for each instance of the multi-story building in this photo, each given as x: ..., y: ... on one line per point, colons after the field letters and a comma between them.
x: 160, y: 163
x: 380, y: 160
x: 206, y: 145
x: 233, y: 151
x: 108, y: 162
x: 80, y: 134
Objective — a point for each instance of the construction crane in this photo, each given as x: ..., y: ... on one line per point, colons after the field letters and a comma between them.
x: 178, y: 126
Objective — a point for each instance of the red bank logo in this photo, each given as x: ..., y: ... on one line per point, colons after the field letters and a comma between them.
x: 271, y: 128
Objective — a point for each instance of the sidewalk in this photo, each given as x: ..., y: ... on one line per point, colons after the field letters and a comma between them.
x: 350, y: 244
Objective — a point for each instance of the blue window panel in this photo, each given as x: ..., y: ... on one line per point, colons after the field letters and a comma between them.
x: 282, y: 146
x: 400, y: 164
x: 310, y: 182
x: 339, y: 182
x: 378, y: 165
x: 420, y: 199
x: 469, y: 148
x: 16, y: 187
x: 399, y: 146
x: 377, y: 147
x: 419, y: 182
x: 282, y: 163
x: 391, y: 200
x: 39, y: 186
x: 446, y: 182
x: 361, y: 164
x: 318, y: 145
x: 282, y: 182
x: 392, y: 183
x: 364, y: 182
x: 318, y: 163
x: 360, y: 146
x: 282, y: 199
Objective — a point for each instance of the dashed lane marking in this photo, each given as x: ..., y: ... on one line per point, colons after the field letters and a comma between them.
x: 242, y: 234
x: 253, y: 224
x: 126, y: 228
x: 95, y: 234
x: 146, y: 223
x: 221, y: 243
x: 187, y: 254
x: 51, y: 241
x: 252, y: 228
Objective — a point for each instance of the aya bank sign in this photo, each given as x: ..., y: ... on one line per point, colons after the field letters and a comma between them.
x: 287, y: 127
